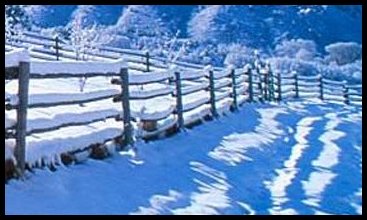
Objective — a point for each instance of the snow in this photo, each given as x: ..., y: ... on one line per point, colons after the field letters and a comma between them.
x: 194, y: 100
x: 196, y: 114
x: 68, y: 96
x: 319, y: 179
x: 9, y: 122
x: 149, y: 90
x: 298, y: 157
x: 49, y: 145
x: 77, y: 67
x: 192, y: 74
x: 285, y: 175
x: 162, y: 125
x: 147, y: 77
x: 56, y: 116
x: 9, y: 148
x: 190, y: 87
x: 15, y: 56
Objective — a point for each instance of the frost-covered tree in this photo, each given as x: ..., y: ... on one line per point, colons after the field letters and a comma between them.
x: 343, y: 52
x: 86, y: 14
x: 142, y: 25
x: 140, y: 20
x: 173, y: 49
x: 16, y: 21
x: 16, y: 15
x: 228, y: 24
x: 202, y: 26
x: 84, y: 36
x: 296, y: 48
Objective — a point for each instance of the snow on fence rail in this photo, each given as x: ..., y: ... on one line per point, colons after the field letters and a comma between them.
x: 157, y: 100
x: 39, y: 125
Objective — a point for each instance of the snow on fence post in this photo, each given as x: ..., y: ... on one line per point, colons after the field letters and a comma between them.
x: 250, y: 86
x: 212, y: 91
x: 234, y: 91
x: 147, y: 57
x: 321, y: 87
x: 279, y: 83
x: 179, y: 106
x: 21, y: 126
x: 57, y: 47
x: 128, y: 139
x: 346, y: 93
x: 296, y: 85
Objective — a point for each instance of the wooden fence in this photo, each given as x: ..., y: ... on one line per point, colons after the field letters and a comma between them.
x: 183, y: 95
x: 55, y: 48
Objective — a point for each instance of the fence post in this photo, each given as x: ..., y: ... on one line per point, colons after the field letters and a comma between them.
x: 296, y: 85
x: 57, y: 48
x: 279, y: 83
x: 266, y: 84
x: 212, y: 92
x: 260, y: 86
x: 128, y: 139
x: 321, y: 87
x: 147, y: 56
x: 21, y: 127
x: 234, y: 91
x: 250, y: 86
x: 346, y: 93
x: 271, y: 86
x: 179, y: 106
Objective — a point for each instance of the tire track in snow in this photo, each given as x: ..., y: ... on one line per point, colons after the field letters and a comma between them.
x: 327, y: 159
x: 279, y: 184
x: 233, y: 148
x: 211, y: 196
x: 357, y: 205
x: 343, y: 195
x: 158, y: 204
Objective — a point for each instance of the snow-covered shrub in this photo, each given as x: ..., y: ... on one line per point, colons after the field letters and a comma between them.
x: 296, y: 48
x: 351, y: 72
x: 119, y: 41
x: 238, y: 55
x: 286, y: 65
x: 343, y: 52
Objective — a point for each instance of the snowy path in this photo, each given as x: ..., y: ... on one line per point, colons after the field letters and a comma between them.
x: 297, y: 157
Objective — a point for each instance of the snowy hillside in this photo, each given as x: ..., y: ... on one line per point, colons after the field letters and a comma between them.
x: 296, y: 157
x: 323, y: 24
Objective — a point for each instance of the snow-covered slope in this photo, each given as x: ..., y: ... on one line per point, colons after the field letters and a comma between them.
x: 291, y: 158
x: 258, y: 25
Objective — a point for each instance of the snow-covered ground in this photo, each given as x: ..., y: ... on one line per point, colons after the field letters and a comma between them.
x: 300, y: 157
